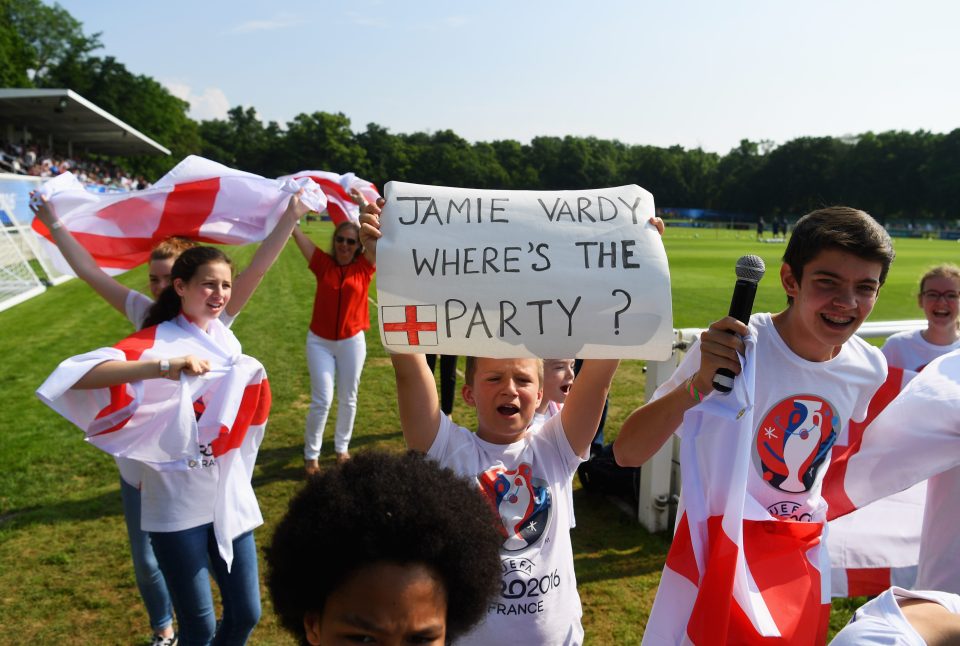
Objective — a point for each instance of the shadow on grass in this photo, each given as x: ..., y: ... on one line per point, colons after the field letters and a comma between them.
x: 65, y: 511
x: 286, y: 462
x: 610, y: 544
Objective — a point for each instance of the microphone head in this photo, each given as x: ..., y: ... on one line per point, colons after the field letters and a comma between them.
x: 750, y: 268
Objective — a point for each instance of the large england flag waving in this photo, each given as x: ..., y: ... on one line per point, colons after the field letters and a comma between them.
x: 915, y: 438
x: 198, y: 199
x: 341, y: 206
x: 877, y: 546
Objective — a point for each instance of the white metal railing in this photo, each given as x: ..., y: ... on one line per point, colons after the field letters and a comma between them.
x: 660, y: 475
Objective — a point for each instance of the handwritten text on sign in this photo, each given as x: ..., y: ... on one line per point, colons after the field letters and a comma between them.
x: 552, y: 274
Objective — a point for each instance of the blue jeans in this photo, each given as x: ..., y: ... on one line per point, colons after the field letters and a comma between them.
x: 186, y: 558
x: 150, y: 581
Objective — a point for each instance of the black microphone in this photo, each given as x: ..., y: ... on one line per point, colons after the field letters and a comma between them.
x: 749, y: 272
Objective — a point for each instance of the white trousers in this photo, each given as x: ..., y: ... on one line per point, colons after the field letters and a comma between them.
x: 325, y: 359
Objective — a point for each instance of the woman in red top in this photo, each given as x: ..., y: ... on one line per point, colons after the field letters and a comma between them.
x: 335, y: 341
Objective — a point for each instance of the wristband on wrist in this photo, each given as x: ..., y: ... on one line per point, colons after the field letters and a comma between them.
x: 56, y: 224
x: 695, y: 394
x: 164, y: 367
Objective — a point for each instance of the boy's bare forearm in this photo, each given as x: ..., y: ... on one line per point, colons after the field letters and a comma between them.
x: 584, y: 406
x: 417, y: 400
x: 650, y: 426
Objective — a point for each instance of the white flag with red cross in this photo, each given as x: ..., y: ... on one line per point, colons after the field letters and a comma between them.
x: 409, y: 325
x: 198, y: 199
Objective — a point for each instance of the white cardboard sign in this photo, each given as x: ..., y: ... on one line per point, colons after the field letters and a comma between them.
x: 553, y: 274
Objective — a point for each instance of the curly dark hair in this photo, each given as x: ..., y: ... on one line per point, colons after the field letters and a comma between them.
x: 384, y: 507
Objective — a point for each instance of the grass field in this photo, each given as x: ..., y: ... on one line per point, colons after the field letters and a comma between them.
x: 65, y: 573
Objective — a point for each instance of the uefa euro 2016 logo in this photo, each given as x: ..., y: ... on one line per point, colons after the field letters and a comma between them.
x: 521, y: 502
x: 792, y: 442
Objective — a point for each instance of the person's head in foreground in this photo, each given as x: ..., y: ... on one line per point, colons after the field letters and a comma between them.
x: 388, y: 548
x: 833, y: 267
x: 506, y: 394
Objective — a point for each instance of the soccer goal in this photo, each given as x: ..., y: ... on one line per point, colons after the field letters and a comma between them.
x: 18, y: 280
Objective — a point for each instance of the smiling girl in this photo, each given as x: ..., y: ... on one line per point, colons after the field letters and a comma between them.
x: 179, y: 397
x: 938, y: 298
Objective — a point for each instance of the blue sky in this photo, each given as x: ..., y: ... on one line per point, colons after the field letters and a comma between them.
x: 693, y: 73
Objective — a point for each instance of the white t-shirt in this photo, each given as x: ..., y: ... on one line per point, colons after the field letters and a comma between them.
x: 909, y: 350
x: 880, y: 621
x: 800, y: 409
x: 539, y: 419
x: 527, y: 482
x: 137, y: 307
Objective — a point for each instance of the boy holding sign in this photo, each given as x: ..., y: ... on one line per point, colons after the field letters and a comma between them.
x: 748, y: 560
x: 524, y: 473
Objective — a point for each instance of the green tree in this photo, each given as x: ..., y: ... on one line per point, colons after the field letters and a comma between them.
x: 321, y: 141
x: 138, y: 100
x: 387, y: 156
x: 15, y: 54
x: 50, y: 34
x: 242, y: 141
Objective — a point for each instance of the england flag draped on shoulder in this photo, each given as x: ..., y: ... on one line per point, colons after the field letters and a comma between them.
x: 340, y: 205
x: 198, y: 199
x: 214, y: 421
x: 878, y: 546
x: 735, y: 574
x: 916, y: 437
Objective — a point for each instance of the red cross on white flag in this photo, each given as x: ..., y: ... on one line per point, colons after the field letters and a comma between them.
x: 409, y: 324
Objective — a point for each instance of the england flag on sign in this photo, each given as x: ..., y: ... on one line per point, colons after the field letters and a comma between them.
x: 410, y: 325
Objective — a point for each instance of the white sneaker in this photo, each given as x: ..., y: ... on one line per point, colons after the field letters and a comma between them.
x: 159, y: 640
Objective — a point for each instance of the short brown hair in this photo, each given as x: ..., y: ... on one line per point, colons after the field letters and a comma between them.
x: 471, y: 369
x: 842, y: 228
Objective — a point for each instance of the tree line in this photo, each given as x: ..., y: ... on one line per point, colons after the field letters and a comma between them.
x: 893, y: 175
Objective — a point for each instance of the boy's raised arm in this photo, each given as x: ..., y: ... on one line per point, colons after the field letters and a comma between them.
x: 584, y: 406
x: 648, y: 427
x: 417, y: 400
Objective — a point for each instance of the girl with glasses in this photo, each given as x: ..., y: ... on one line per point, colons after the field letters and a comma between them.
x: 938, y: 298
x: 336, y: 347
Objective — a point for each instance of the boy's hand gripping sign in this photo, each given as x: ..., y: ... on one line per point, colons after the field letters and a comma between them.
x: 554, y: 274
